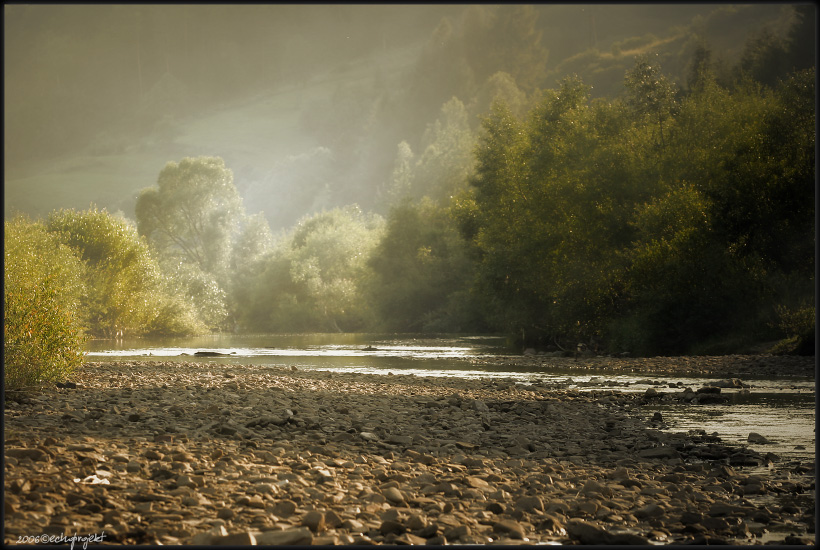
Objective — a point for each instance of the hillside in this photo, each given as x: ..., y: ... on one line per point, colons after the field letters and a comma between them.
x: 327, y: 134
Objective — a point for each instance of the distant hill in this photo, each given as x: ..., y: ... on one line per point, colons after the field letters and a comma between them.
x: 306, y: 120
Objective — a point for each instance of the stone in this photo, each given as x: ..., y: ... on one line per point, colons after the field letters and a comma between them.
x: 314, y: 520
x: 626, y: 538
x: 409, y: 538
x: 651, y: 510
x: 204, y: 538
x: 659, y: 452
x: 509, y: 527
x: 36, y: 455
x: 284, y: 508
x: 235, y: 539
x: 457, y: 532
x: 389, y: 526
x: 496, y: 507
x: 394, y: 495
x: 353, y: 525
x: 757, y: 439
x: 691, y: 518
x: 592, y: 487
x: 529, y: 504
x: 332, y: 519
x: 551, y: 524
x: 225, y: 513
x: 586, y: 532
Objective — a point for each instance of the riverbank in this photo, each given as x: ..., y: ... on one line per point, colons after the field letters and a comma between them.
x: 204, y: 453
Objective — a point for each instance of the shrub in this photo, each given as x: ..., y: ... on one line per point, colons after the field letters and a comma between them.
x: 122, y: 277
x: 42, y: 336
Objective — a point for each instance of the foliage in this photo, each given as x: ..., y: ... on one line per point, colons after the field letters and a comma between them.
x: 799, y: 328
x: 311, y: 280
x: 652, y: 223
x: 122, y: 278
x: 198, y: 291
x: 192, y: 213
x: 421, y: 273
x: 42, y: 336
x: 444, y: 164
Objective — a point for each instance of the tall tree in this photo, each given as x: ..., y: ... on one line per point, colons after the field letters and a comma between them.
x: 192, y: 213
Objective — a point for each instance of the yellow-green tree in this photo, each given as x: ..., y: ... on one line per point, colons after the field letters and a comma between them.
x: 42, y: 286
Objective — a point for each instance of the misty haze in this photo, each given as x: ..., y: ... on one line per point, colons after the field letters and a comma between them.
x: 409, y: 274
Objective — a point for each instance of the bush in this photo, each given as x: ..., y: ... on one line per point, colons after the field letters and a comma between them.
x: 798, y: 326
x: 42, y: 337
x: 122, y: 278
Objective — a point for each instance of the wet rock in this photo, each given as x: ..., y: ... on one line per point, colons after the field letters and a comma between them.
x: 728, y: 383
x: 409, y: 538
x: 757, y: 439
x: 592, y: 487
x: 651, y: 510
x: 225, y: 513
x: 390, y: 526
x: 460, y: 532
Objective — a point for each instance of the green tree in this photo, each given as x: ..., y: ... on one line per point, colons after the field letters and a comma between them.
x: 42, y: 287
x: 651, y: 94
x: 421, y: 272
x: 122, y: 277
x: 311, y: 280
x: 445, y: 162
x: 208, y: 298
x: 192, y: 213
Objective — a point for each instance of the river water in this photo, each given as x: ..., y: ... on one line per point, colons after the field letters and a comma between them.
x: 782, y: 410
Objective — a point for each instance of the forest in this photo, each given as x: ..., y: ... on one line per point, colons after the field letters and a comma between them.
x: 669, y: 215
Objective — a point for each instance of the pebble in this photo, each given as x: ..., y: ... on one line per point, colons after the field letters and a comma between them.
x: 176, y: 453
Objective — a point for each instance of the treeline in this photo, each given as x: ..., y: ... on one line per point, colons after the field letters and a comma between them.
x: 665, y: 221
x: 660, y: 223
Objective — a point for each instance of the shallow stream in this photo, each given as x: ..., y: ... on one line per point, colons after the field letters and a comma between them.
x: 782, y: 410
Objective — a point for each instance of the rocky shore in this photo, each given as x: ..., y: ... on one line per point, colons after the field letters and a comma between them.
x: 202, y: 453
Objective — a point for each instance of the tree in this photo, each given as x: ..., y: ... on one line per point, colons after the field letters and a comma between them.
x: 650, y: 93
x: 445, y: 162
x: 123, y: 279
x: 42, y: 287
x: 192, y: 213
x: 421, y: 272
x: 312, y: 278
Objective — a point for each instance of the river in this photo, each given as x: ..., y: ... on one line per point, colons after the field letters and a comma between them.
x: 782, y: 410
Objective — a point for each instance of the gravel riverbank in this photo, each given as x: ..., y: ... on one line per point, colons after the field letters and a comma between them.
x: 202, y: 453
